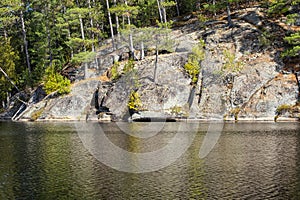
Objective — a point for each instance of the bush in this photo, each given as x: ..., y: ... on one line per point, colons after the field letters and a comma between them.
x: 194, y: 61
x: 231, y: 64
x: 283, y: 108
x: 134, y: 102
x: 128, y: 67
x: 114, y: 71
x: 53, y: 81
x: 83, y: 57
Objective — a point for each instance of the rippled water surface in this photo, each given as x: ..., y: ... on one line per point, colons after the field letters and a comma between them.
x: 249, y: 161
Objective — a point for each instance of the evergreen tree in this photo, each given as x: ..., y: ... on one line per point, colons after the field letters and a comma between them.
x: 294, y: 41
x: 7, y: 68
x: 127, y: 11
x: 291, y: 10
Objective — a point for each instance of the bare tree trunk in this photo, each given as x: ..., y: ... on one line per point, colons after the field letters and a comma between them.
x: 82, y: 31
x: 164, y: 13
x: 93, y: 34
x: 69, y: 30
x: 85, y: 70
x: 8, y: 96
x: 177, y: 8
x: 5, y: 34
x: 111, y: 25
x: 25, y: 41
x: 117, y: 23
x: 142, y: 51
x: 214, y: 3
x: 130, y: 41
x: 49, y: 44
x: 48, y: 35
x: 159, y: 11
x: 156, y: 65
x: 92, y: 25
x: 131, y: 48
x: 7, y: 77
x: 123, y: 21
x: 69, y: 37
x: 228, y: 15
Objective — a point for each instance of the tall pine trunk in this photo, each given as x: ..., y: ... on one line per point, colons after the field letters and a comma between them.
x: 5, y: 34
x: 82, y: 31
x: 131, y: 48
x: 25, y: 41
x: 110, y: 25
x: 228, y: 14
x: 92, y: 34
x: 214, y: 4
x: 177, y: 8
x: 92, y: 25
x: 164, y: 14
x: 156, y: 64
x: 142, y: 51
x: 117, y: 24
x: 159, y: 11
x: 49, y: 35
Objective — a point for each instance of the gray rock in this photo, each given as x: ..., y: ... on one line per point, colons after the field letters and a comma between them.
x: 75, y: 106
x: 253, y: 17
x: 254, y: 89
x: 264, y: 102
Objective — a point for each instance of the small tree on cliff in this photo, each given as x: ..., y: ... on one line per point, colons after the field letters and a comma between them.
x: 161, y: 40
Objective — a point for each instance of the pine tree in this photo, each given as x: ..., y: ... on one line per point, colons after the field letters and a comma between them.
x: 127, y: 11
x: 291, y: 10
x: 8, y: 15
x: 162, y: 42
x: 7, y: 67
x: 294, y: 40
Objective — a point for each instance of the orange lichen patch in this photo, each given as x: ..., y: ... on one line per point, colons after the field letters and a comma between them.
x: 278, y: 77
x: 285, y: 77
x: 104, y: 78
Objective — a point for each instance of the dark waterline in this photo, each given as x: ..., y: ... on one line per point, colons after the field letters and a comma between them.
x: 249, y: 161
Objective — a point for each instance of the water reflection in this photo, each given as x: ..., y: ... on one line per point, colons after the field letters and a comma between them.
x: 249, y: 161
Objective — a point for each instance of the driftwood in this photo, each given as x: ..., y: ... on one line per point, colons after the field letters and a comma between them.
x: 7, y: 77
x: 19, y: 114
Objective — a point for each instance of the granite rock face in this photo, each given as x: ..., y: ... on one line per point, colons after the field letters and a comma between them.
x: 241, y: 77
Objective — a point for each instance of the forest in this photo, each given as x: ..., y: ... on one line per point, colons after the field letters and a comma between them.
x: 40, y: 38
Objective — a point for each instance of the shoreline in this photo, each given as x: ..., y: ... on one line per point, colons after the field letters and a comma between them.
x: 171, y: 120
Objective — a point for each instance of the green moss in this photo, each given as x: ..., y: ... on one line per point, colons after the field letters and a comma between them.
x: 291, y: 109
x: 114, y: 71
x: 176, y: 110
x: 235, y: 112
x: 283, y: 108
x: 36, y: 114
x: 180, y: 111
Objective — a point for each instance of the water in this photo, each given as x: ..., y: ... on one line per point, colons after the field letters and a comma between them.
x: 249, y: 161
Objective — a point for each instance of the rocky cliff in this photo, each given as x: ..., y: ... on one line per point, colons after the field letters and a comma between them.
x: 242, y: 77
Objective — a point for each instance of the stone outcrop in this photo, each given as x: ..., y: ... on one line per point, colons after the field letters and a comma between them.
x: 242, y: 77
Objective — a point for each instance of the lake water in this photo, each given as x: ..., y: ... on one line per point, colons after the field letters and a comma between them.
x: 53, y: 161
